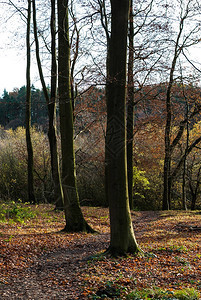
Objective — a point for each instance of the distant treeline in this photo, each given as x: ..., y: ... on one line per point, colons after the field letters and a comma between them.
x: 12, y: 108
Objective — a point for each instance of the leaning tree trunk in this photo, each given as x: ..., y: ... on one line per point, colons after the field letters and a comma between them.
x: 51, y: 104
x: 130, y: 108
x: 31, y: 195
x: 74, y: 218
x: 122, y: 235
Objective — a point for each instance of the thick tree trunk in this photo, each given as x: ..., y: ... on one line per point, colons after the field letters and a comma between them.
x: 51, y: 104
x: 74, y: 218
x: 31, y: 195
x: 122, y: 235
x: 130, y: 108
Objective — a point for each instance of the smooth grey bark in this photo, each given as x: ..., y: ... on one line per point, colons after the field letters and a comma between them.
x: 122, y: 238
x: 74, y: 218
x: 31, y: 195
x: 51, y: 104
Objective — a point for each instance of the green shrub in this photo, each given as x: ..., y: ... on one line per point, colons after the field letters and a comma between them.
x: 146, y: 190
x: 15, y: 212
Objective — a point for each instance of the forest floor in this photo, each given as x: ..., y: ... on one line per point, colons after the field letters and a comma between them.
x: 37, y: 261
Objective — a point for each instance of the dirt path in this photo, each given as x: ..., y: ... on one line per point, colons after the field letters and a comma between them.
x: 55, y: 275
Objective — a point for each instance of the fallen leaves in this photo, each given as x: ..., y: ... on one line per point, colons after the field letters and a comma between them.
x: 46, y: 263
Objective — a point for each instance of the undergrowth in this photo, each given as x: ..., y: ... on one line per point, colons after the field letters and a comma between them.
x: 15, y: 212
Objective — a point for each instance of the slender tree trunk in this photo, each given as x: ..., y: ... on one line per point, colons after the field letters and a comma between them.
x: 122, y: 235
x: 193, y: 196
x: 58, y: 191
x: 73, y: 62
x: 184, y: 185
x: 194, y: 192
x: 167, y: 180
x: 51, y: 104
x: 104, y: 23
x: 130, y: 108
x: 74, y: 218
x: 193, y: 201
x: 167, y: 160
x: 185, y: 161
x: 31, y: 194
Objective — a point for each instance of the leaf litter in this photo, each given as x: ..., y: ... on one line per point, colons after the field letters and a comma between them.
x: 37, y: 261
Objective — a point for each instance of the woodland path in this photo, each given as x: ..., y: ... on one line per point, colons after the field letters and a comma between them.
x: 38, y: 281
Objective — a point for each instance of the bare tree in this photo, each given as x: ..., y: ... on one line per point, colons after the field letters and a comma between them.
x: 183, y: 40
x: 51, y: 102
x: 73, y: 214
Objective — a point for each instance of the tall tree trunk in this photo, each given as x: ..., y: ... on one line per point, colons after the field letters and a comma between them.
x: 104, y: 23
x: 167, y: 160
x: 130, y: 108
x: 121, y: 230
x: 58, y: 191
x: 167, y: 180
x: 31, y: 195
x: 74, y: 218
x: 51, y: 104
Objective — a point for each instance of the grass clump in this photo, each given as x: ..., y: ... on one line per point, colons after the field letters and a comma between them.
x: 157, y: 293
